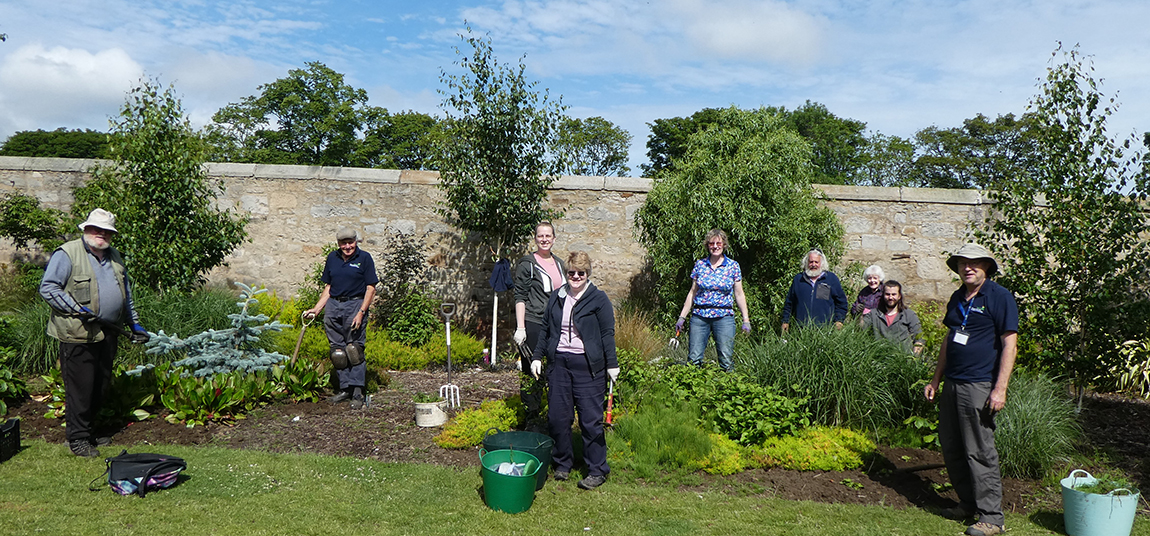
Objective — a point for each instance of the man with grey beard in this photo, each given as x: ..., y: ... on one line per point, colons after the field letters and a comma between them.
x: 816, y: 295
x: 86, y: 285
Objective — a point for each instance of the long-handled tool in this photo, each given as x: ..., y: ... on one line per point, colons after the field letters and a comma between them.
x: 304, y: 323
x: 450, y: 391
x: 610, y: 402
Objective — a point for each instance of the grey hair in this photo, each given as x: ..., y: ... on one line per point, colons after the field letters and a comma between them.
x: 822, y: 259
x: 874, y: 269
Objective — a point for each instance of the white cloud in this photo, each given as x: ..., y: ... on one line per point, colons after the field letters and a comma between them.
x: 48, y: 87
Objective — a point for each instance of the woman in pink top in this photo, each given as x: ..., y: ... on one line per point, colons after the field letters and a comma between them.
x: 537, y: 274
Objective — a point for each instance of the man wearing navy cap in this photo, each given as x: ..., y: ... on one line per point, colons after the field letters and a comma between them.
x: 350, y: 276
x: 977, y: 358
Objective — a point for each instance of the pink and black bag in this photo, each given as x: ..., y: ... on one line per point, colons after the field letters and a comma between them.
x: 141, y: 472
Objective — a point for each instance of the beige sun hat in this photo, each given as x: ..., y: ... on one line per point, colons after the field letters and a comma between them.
x: 100, y: 218
x: 973, y: 251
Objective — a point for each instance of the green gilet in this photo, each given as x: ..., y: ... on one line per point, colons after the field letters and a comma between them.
x: 81, y: 286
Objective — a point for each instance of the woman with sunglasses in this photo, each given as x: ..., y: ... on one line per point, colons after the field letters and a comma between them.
x: 578, y: 338
x: 716, y: 286
x: 536, y: 276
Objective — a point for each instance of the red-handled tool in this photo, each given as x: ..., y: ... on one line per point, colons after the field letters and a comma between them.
x: 610, y: 402
x: 674, y: 342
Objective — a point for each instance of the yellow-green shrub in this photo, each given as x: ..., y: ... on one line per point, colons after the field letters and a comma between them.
x: 390, y: 355
x: 726, y: 457
x: 467, y: 428
x: 465, y: 349
x: 314, y: 346
x: 815, y: 449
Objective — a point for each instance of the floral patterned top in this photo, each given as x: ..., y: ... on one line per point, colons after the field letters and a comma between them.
x: 715, y: 296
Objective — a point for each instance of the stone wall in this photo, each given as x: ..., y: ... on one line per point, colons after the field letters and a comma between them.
x: 295, y: 211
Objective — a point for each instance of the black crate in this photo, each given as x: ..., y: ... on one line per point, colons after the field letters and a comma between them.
x: 9, y: 439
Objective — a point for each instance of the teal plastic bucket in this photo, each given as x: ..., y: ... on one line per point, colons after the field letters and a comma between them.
x: 508, y: 493
x: 537, y: 445
x: 1092, y: 514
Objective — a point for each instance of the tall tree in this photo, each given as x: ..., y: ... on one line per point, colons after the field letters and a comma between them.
x: 668, y: 139
x: 750, y: 175
x: 59, y: 143
x: 494, y: 157
x: 1070, y: 232
x: 401, y: 141
x: 884, y: 161
x: 979, y: 154
x: 170, y: 227
x: 593, y: 147
x: 311, y: 117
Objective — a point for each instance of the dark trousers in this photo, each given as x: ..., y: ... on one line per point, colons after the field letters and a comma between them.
x: 532, y: 392
x: 87, y: 372
x: 572, y: 388
x: 966, y: 432
x: 337, y: 318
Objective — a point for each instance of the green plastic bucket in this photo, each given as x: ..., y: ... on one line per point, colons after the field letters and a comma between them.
x: 508, y: 493
x: 1093, y: 514
x: 537, y: 445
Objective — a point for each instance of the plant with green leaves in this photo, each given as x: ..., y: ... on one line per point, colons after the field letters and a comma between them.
x: 819, y: 448
x: 238, y: 348
x: 12, y: 387
x: 849, y: 377
x: 594, y: 146
x: 225, y: 397
x: 170, y: 229
x: 24, y: 222
x: 301, y: 380
x: 466, y: 429
x: 750, y: 175
x: 1130, y: 371
x: 1068, y: 234
x: 496, y: 155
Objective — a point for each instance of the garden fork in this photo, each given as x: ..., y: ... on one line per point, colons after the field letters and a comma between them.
x: 450, y: 391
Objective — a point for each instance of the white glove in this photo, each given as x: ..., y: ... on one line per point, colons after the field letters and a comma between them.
x: 519, y: 364
x: 520, y: 335
x: 613, y: 373
x: 536, y: 368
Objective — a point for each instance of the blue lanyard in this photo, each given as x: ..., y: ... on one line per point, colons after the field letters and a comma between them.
x: 966, y: 311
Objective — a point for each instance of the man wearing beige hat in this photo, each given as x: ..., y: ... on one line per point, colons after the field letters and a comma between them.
x: 87, y: 287
x: 976, y: 358
x: 350, y: 276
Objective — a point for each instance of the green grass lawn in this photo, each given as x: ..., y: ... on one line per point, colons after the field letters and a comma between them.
x: 44, y: 490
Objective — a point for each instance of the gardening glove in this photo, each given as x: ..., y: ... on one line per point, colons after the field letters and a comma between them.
x: 536, y: 368
x: 519, y: 364
x: 613, y: 373
x: 746, y: 327
x: 679, y: 324
x: 520, y: 335
x: 139, y: 334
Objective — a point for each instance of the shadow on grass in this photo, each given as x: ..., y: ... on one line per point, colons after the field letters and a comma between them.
x: 1050, y: 520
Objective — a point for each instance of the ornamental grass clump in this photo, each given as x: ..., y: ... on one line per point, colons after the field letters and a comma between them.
x: 226, y: 350
x: 847, y: 376
x: 660, y: 437
x: 1038, y: 428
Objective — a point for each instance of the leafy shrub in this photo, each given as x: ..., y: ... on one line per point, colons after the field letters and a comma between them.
x: 726, y: 456
x: 303, y: 379
x: 465, y: 349
x: 661, y: 436
x: 18, y: 284
x: 11, y: 386
x: 386, y: 354
x: 413, y: 321
x: 734, y: 406
x: 25, y: 222
x: 224, y: 397
x: 848, y: 377
x: 930, y: 315
x: 1038, y: 427
x: 467, y: 428
x: 1129, y: 370
x: 816, y: 449
x: 131, y: 396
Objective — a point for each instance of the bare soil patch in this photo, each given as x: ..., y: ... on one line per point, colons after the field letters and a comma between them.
x: 385, y: 430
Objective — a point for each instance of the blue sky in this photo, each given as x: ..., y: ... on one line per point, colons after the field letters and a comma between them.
x: 899, y: 66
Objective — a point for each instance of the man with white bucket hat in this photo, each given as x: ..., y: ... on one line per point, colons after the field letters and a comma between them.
x: 86, y: 284
x: 977, y: 358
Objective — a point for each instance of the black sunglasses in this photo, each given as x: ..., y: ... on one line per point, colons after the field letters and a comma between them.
x: 573, y: 273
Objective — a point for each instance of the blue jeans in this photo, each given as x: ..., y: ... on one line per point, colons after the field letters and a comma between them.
x: 722, y: 329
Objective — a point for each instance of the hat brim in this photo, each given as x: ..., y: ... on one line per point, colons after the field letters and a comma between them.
x: 952, y: 262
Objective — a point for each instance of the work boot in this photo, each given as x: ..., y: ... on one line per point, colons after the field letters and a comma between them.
x: 101, y: 441
x: 561, y: 475
x: 83, y: 449
x: 341, y: 396
x: 984, y: 529
x: 593, y: 482
x: 357, y: 399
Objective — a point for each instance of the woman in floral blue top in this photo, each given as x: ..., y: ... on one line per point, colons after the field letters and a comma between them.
x: 716, y: 288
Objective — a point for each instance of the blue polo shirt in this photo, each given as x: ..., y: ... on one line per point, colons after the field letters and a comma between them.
x: 351, y: 277
x: 992, y: 313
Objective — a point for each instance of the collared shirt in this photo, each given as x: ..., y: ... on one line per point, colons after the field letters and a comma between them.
x: 715, y: 292
x: 349, y: 277
x: 992, y: 313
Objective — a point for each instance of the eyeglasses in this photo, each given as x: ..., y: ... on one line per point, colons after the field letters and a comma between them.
x: 573, y: 273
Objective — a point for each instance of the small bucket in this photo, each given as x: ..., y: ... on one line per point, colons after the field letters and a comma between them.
x: 508, y: 493
x: 537, y: 445
x: 1093, y: 514
x: 428, y: 414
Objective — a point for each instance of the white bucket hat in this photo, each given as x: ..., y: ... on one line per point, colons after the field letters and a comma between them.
x: 100, y: 218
